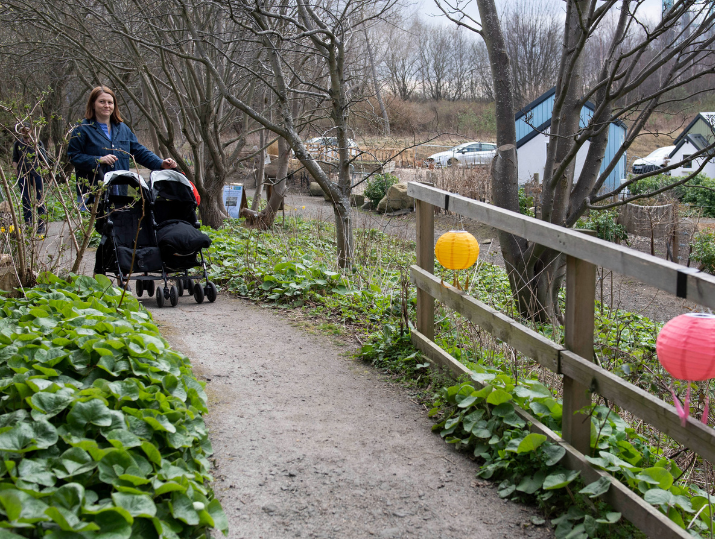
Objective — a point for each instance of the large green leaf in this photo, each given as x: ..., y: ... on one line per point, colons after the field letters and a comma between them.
x: 216, y: 511
x: 658, y: 496
x: 135, y: 504
x: 91, y: 412
x: 52, y: 403
x: 553, y: 453
x: 656, y: 476
x: 498, y: 396
x: 182, y: 507
x: 560, y: 479
x: 531, y: 443
x: 112, y: 525
x: 25, y: 437
x: 597, y: 488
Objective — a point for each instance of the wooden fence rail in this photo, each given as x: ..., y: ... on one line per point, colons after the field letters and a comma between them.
x: 581, y: 377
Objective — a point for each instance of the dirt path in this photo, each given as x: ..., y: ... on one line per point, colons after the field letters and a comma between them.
x: 311, y: 443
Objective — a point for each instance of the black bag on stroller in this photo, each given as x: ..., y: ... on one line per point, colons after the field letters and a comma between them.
x: 177, y: 232
x: 123, y: 220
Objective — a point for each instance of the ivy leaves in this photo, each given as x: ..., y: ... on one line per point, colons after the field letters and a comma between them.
x: 100, y: 422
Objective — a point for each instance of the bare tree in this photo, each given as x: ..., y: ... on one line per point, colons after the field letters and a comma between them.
x: 533, y: 35
x: 638, y: 76
x: 175, y: 95
x: 401, y: 60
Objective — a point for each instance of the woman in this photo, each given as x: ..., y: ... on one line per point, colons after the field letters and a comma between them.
x: 102, y: 143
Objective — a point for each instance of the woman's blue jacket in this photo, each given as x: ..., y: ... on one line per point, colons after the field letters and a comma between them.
x: 88, y: 143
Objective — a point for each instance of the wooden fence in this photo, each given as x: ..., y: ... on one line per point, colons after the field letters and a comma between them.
x: 581, y: 377
x: 403, y: 158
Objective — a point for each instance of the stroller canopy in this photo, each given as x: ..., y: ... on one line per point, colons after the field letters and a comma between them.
x: 125, y: 177
x: 171, y: 185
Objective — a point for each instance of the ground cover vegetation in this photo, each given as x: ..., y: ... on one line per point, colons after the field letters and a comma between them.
x: 294, y: 266
x: 101, y: 434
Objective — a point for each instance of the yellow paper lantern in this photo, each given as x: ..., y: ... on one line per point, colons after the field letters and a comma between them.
x: 457, y: 249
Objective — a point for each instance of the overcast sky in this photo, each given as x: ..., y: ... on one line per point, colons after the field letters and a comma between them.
x: 650, y: 9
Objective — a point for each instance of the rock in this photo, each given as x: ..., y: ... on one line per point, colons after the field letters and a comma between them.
x: 9, y: 282
x: 396, y: 199
x: 367, y: 206
x: 5, y: 260
x: 357, y: 200
x: 315, y: 189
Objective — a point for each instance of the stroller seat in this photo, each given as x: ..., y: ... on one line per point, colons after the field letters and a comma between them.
x: 119, y: 218
x: 177, y: 232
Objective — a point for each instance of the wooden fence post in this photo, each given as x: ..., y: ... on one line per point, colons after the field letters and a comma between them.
x: 580, y: 305
x: 425, y: 260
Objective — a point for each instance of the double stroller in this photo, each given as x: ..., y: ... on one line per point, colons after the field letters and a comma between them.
x: 150, y: 233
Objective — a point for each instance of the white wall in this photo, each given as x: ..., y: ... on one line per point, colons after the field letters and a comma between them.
x: 532, y: 158
x: 689, y: 149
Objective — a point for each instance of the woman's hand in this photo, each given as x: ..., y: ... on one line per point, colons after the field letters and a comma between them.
x: 108, y: 159
x: 168, y: 163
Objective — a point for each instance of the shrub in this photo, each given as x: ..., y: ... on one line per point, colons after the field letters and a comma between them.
x: 525, y: 203
x: 703, y: 251
x: 700, y: 192
x: 605, y: 225
x: 101, y: 432
x: 378, y: 185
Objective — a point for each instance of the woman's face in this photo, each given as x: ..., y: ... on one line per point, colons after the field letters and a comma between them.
x: 104, y: 105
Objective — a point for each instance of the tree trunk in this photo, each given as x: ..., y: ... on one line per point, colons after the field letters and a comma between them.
x: 265, y: 219
x: 212, y: 210
x: 505, y: 180
x: 260, y: 173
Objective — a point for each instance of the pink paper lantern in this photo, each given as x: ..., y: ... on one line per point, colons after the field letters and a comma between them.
x: 686, y: 346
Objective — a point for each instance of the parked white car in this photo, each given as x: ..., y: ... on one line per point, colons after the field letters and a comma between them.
x: 327, y: 147
x: 469, y: 153
x: 657, y: 159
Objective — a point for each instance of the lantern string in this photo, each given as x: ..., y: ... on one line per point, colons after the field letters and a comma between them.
x: 684, y: 409
x: 706, y: 409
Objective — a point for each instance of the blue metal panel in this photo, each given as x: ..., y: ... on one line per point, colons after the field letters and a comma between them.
x: 616, y: 137
x: 536, y: 116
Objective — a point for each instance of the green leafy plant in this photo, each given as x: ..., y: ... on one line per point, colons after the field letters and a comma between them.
x: 378, y: 185
x: 703, y: 251
x: 525, y: 203
x: 700, y: 192
x: 604, y: 222
x: 101, y: 433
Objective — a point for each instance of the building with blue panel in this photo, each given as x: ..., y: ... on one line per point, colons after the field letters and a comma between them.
x: 531, y: 143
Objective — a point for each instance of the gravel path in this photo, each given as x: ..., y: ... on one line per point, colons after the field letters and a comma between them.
x: 312, y: 443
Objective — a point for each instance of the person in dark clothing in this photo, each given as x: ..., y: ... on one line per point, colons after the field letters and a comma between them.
x: 103, y: 143
x: 27, y: 158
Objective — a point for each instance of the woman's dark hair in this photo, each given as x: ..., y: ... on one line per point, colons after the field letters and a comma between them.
x: 116, y: 118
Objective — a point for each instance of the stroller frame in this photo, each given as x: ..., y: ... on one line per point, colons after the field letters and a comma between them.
x: 145, y: 281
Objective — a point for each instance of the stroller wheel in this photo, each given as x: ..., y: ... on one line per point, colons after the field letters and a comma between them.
x: 160, y: 297
x: 140, y: 288
x: 149, y: 287
x: 211, y: 292
x: 189, y: 285
x: 198, y: 293
x: 180, y: 287
x: 173, y: 296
